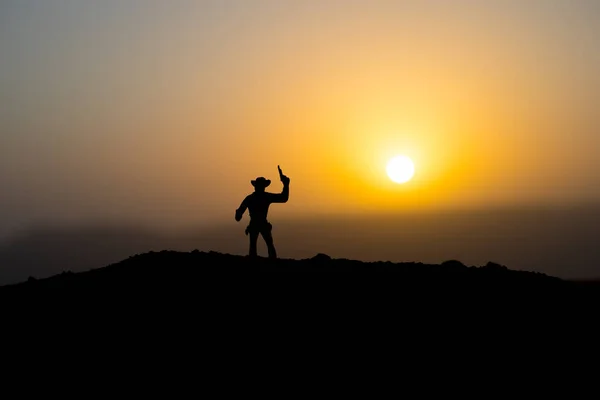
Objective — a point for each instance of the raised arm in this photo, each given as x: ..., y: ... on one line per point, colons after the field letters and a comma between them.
x: 285, y: 193
x: 283, y: 196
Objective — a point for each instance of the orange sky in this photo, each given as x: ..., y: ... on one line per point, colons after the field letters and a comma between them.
x: 164, y: 112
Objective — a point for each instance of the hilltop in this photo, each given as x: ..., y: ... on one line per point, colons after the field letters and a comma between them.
x: 229, y: 297
x: 172, y: 271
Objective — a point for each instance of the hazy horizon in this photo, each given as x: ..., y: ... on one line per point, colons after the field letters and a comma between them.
x: 559, y: 242
x: 160, y: 113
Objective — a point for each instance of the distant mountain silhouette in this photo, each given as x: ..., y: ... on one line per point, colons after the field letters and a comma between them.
x: 46, y: 251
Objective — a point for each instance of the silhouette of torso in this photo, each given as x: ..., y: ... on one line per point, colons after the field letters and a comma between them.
x: 258, y: 204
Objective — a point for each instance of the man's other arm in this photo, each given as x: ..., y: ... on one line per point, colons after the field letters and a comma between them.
x: 241, y: 210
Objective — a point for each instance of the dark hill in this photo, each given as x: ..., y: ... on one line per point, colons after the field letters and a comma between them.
x: 211, y: 272
x: 223, y: 300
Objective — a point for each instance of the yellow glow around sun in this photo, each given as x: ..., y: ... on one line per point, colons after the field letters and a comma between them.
x: 400, y: 169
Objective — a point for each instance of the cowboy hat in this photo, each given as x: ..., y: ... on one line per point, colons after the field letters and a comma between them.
x: 261, y: 182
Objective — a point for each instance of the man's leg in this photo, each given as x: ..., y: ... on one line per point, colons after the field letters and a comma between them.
x: 266, y: 234
x: 253, y: 235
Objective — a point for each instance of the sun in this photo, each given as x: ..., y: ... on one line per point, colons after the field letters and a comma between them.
x: 400, y: 169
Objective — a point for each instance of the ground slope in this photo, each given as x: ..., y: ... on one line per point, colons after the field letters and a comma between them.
x: 171, y: 271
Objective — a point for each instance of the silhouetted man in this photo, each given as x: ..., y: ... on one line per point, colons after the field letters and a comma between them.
x: 258, y: 205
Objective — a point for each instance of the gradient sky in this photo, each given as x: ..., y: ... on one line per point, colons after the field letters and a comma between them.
x: 163, y: 111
